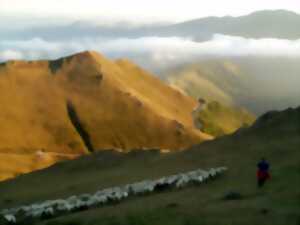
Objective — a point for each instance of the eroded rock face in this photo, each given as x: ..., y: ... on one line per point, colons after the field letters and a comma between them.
x: 195, y: 114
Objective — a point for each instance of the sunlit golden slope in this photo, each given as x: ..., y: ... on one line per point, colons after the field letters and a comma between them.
x: 85, y: 103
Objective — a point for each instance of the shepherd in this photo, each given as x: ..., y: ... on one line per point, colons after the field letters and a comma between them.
x: 263, y: 173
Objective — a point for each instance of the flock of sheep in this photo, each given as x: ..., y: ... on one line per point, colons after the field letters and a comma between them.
x: 55, y: 208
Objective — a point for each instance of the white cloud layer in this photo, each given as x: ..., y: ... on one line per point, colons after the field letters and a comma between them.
x: 136, y: 10
x: 151, y: 52
x: 10, y: 54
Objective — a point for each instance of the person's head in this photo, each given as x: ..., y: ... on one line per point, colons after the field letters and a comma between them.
x: 201, y: 101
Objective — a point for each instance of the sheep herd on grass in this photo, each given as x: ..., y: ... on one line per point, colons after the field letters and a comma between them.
x: 54, y: 208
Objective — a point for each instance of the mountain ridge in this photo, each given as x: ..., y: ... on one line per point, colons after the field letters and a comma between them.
x: 84, y: 103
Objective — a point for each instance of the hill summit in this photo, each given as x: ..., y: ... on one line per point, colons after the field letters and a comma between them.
x: 85, y: 103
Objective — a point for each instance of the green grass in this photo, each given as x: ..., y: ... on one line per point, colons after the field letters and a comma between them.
x: 219, y: 120
x: 277, y: 139
x: 204, y: 205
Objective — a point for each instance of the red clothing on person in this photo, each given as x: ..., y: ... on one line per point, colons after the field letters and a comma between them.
x: 263, y: 175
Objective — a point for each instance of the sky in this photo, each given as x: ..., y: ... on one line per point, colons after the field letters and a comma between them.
x: 20, y: 40
x: 139, y: 11
x: 50, y: 29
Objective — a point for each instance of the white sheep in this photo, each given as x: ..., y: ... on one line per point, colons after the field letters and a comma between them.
x: 93, y: 201
x: 161, y: 181
x: 24, y: 209
x: 48, y: 203
x: 10, y: 218
x: 35, y: 213
x: 115, y: 194
x: 102, y: 199
x: 212, y: 173
x: 204, y: 174
x: 142, y: 187
x: 198, y: 179
x: 72, y: 200
x: 84, y: 197
x: 106, y: 192
x: 80, y: 204
x: 171, y: 180
x: 192, y: 174
x: 182, y: 181
x: 64, y: 206
x: 49, y: 212
x: 36, y: 206
x: 221, y: 170
x: 149, y: 186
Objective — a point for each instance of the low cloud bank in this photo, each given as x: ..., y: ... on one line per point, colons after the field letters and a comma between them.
x: 152, y: 52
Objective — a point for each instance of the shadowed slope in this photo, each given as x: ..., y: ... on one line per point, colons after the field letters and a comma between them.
x: 275, y: 136
x: 79, y: 127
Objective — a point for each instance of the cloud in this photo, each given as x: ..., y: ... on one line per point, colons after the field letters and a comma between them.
x: 10, y: 54
x: 151, y: 52
x: 139, y: 10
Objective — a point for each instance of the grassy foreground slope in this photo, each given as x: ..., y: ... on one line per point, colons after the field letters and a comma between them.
x: 276, y: 135
x: 85, y: 103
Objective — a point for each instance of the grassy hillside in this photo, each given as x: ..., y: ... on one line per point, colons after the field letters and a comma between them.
x: 86, y: 103
x: 217, y: 119
x: 259, y: 84
x: 276, y: 136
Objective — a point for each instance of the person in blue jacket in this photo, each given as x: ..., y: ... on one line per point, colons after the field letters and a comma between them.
x: 263, y: 172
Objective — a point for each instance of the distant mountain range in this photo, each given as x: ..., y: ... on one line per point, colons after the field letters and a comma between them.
x: 259, y: 84
x: 262, y: 24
